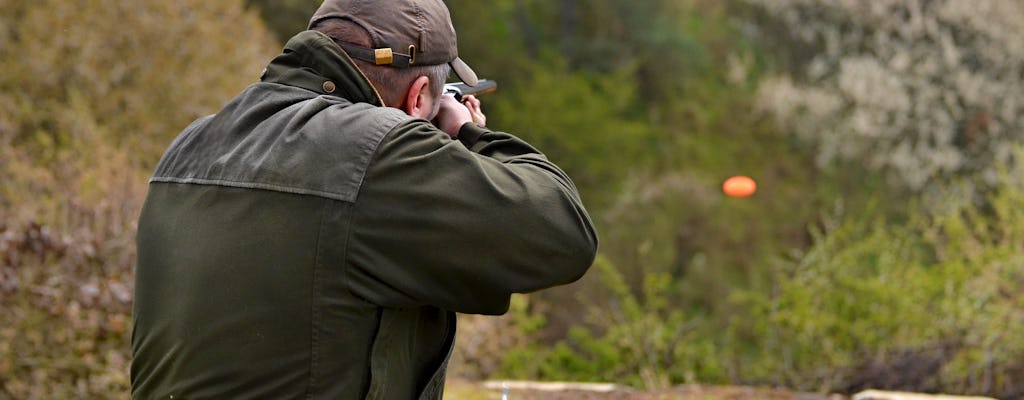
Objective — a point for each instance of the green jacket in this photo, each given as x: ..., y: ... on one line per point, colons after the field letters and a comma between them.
x: 305, y: 242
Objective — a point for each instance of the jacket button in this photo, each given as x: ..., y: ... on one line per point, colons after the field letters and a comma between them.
x: 329, y: 87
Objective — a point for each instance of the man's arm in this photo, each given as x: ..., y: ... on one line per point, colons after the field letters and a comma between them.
x: 461, y: 228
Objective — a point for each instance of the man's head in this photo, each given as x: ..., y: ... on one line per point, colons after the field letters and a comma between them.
x: 396, y: 43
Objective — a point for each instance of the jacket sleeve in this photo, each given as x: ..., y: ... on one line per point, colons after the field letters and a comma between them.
x: 463, y: 225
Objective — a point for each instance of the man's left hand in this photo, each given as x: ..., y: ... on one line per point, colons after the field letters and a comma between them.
x: 452, y: 115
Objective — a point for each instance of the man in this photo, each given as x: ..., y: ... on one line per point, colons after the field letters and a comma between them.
x: 314, y: 238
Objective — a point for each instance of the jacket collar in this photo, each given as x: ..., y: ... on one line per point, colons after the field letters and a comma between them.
x: 312, y: 61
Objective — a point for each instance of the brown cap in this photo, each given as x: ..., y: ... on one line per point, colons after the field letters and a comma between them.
x: 403, y: 33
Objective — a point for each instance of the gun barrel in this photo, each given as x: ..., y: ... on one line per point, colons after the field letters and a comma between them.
x: 459, y: 89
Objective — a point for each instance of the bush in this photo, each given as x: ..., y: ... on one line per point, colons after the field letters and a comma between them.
x: 90, y: 94
x: 932, y: 303
x: 644, y: 341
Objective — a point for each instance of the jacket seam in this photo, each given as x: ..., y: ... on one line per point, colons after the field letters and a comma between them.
x: 314, y: 339
x: 381, y: 336
x: 355, y: 204
x: 345, y: 259
x: 376, y: 153
x: 254, y: 185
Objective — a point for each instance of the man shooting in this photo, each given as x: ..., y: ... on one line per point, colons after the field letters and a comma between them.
x: 315, y: 237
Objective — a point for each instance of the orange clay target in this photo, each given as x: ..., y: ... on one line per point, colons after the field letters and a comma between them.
x: 739, y: 186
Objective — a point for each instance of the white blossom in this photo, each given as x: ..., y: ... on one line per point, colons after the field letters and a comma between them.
x: 925, y: 88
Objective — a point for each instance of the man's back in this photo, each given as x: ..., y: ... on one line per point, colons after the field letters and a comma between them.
x: 305, y: 242
x: 237, y: 288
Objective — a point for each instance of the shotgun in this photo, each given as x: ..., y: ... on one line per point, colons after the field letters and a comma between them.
x: 459, y: 89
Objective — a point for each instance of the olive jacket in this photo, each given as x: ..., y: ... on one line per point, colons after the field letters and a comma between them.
x: 307, y: 243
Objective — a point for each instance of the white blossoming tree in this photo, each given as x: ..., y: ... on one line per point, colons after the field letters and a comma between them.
x: 923, y: 88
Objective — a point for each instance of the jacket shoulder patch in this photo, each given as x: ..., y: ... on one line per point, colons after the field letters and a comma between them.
x: 280, y: 138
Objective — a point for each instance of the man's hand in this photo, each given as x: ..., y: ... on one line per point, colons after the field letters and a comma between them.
x: 473, y: 104
x: 452, y: 115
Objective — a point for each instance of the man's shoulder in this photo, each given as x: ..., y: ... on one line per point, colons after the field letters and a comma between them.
x: 275, y: 137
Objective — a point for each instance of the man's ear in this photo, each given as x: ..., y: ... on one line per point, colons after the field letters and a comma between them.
x: 418, y: 100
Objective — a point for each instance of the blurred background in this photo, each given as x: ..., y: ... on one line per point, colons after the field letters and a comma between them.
x: 884, y: 247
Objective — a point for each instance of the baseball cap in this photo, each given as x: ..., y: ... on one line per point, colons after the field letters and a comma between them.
x: 403, y: 33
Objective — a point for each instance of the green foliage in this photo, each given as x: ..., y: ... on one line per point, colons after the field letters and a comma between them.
x: 120, y: 69
x: 584, y: 123
x: 931, y: 303
x: 648, y: 105
x: 285, y: 18
x: 91, y: 93
x: 639, y: 340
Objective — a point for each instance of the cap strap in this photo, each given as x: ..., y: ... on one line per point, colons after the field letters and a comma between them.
x: 383, y: 56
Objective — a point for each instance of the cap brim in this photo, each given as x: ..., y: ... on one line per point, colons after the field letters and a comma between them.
x: 464, y: 72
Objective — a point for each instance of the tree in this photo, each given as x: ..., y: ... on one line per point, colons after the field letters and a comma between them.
x: 285, y: 18
x: 923, y: 88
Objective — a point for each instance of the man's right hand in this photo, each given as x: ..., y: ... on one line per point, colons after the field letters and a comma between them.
x: 452, y: 115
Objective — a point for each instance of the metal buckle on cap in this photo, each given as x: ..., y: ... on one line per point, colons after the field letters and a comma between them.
x: 412, y: 54
x: 383, y: 56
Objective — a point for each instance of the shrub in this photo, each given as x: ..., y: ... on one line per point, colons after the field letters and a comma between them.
x: 644, y: 341
x: 90, y: 94
x: 932, y: 303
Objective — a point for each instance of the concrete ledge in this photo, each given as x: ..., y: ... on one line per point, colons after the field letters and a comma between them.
x: 554, y: 386
x: 883, y: 395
